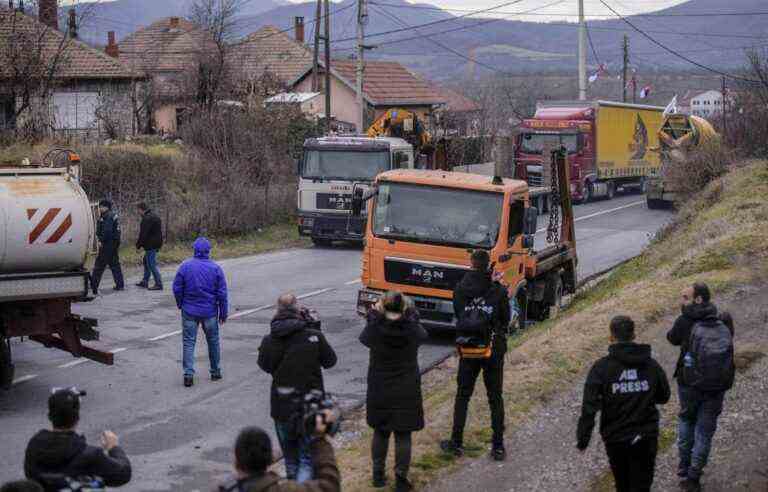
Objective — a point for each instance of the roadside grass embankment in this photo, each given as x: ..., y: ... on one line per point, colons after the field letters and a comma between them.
x: 719, y: 237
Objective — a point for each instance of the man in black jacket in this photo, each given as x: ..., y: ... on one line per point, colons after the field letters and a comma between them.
x: 699, y: 410
x: 151, y: 240
x: 475, y: 284
x: 54, y: 455
x: 294, y: 354
x: 108, y: 234
x: 625, y: 387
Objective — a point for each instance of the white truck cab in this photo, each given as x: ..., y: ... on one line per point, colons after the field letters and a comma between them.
x: 331, y: 169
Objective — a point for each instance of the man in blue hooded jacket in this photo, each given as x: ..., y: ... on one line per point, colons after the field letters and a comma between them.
x: 200, y: 289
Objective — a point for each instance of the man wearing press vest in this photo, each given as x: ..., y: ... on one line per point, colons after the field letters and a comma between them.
x: 625, y: 386
x: 481, y: 306
x: 705, y: 371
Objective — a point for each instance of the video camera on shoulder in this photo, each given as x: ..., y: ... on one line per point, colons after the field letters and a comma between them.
x: 312, y: 318
x: 307, y: 406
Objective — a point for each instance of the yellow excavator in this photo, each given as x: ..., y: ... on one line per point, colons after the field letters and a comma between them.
x: 405, y: 124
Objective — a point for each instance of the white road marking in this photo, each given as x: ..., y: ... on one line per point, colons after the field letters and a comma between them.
x: 74, y: 363
x: 353, y: 282
x: 164, y: 336
x: 24, y: 378
x: 250, y: 311
x: 118, y: 350
x: 315, y: 293
x: 597, y: 214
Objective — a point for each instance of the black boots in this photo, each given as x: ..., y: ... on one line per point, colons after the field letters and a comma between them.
x: 379, y: 480
x: 402, y: 484
x: 188, y: 381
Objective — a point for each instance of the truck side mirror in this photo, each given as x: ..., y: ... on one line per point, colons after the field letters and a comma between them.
x: 531, y: 221
x: 357, y: 202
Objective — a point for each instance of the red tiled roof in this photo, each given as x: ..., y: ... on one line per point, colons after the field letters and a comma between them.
x: 77, y: 60
x: 388, y: 83
x: 162, y: 48
x: 454, y: 101
x: 271, y: 50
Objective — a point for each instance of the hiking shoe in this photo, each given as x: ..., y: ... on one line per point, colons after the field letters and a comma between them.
x: 452, y: 447
x: 379, y: 480
x: 118, y: 289
x: 690, y: 485
x: 216, y: 377
x: 142, y: 285
x: 682, y: 471
x: 403, y: 485
x: 155, y: 287
x: 188, y: 381
x: 499, y: 453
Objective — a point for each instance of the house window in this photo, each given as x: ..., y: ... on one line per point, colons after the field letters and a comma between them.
x: 75, y: 110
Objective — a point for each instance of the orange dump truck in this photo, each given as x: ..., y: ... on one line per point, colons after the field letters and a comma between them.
x: 423, y: 225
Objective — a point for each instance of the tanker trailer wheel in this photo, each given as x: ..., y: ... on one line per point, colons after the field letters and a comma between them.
x: 555, y: 297
x: 652, y: 203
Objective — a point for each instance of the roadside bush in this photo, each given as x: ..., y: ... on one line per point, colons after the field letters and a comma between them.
x: 699, y: 168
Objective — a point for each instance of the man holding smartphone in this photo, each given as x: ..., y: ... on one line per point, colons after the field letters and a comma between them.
x: 54, y: 455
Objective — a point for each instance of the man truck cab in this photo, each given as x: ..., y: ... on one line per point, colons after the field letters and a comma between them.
x: 330, y: 170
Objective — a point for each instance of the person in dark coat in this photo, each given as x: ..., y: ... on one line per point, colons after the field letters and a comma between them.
x: 60, y: 453
x: 393, y: 334
x: 479, y: 283
x: 108, y: 234
x: 22, y: 486
x: 295, y: 354
x: 625, y: 386
x: 151, y: 240
x: 699, y: 410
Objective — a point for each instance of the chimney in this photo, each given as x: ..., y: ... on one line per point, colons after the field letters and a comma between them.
x: 72, y: 24
x: 112, y: 49
x: 48, y: 13
x: 174, y: 22
x: 298, y: 24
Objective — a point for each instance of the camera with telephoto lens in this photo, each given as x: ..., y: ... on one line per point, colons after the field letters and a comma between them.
x: 307, y: 406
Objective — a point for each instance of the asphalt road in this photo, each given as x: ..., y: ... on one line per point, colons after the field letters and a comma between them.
x: 179, y: 439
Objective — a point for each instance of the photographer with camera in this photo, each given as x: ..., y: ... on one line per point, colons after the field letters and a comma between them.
x: 294, y: 353
x: 54, y: 456
x: 253, y: 455
x: 393, y: 334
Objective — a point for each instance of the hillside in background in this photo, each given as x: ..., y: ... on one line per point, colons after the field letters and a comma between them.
x: 443, y: 50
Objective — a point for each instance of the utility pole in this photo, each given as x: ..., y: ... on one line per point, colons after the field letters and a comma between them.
x: 722, y: 110
x: 362, y: 17
x: 327, y: 67
x: 634, y: 87
x: 582, y: 53
x: 625, y: 48
x: 315, y: 59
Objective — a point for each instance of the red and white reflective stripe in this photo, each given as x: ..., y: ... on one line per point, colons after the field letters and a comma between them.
x: 49, y: 226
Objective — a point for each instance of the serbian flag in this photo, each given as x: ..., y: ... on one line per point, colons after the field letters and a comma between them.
x: 645, y: 92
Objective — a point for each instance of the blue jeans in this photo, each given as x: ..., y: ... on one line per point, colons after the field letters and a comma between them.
x: 697, y: 423
x: 189, y: 334
x: 150, y: 267
x: 296, y: 452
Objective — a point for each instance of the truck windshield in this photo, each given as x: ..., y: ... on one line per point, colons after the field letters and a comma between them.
x: 344, y: 164
x: 436, y: 215
x: 533, y: 143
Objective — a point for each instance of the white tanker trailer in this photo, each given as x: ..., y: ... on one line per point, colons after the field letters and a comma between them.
x: 47, y: 231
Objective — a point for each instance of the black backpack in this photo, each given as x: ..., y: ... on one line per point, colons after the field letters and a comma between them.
x: 708, y: 364
x: 474, y: 329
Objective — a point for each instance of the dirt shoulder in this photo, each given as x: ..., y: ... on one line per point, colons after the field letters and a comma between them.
x: 719, y: 238
x: 542, y: 453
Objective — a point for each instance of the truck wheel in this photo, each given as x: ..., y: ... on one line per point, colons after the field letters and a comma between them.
x: 588, y: 193
x: 556, y: 298
x: 321, y: 243
x: 653, y: 204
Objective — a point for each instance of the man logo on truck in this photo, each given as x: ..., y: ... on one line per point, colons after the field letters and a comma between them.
x: 427, y: 276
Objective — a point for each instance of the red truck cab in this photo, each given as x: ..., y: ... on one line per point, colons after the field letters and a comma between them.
x: 572, y: 127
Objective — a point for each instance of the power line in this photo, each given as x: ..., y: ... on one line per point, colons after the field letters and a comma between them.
x: 563, y: 14
x: 670, y: 50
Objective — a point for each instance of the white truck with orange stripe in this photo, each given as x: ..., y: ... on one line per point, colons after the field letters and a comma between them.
x: 47, y: 230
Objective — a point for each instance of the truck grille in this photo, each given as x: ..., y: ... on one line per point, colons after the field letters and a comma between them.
x: 407, y: 272
x: 535, y: 179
